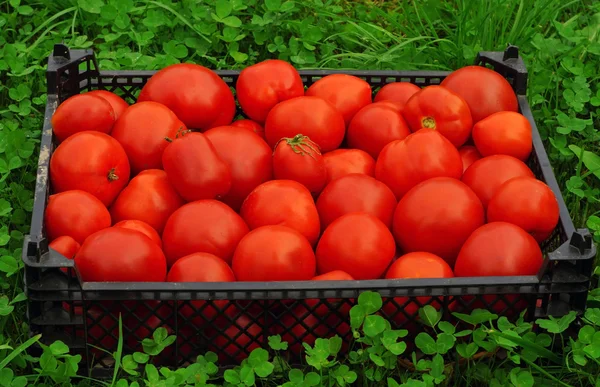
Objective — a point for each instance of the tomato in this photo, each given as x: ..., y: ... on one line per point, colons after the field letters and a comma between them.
x: 82, y: 112
x: 265, y: 84
x: 469, y: 155
x: 485, y: 91
x: 142, y: 227
x: 300, y: 159
x: 274, y: 253
x: 66, y: 246
x: 118, y: 104
x: 239, y: 339
x: 504, y: 133
x: 527, y: 203
x: 359, y: 244
x: 196, y: 94
x: 75, y: 213
x: 195, y: 169
x: 248, y: 158
x: 250, y: 125
x: 335, y: 275
x: 347, y: 93
x: 206, y: 226
x: 311, y: 116
x: 437, y: 216
x: 435, y: 107
x: 423, y: 155
x: 119, y: 254
x: 485, y: 176
x: 356, y: 193
x: 339, y: 305
x: 498, y: 249
x: 90, y: 161
x: 398, y: 92
x: 342, y: 162
x: 149, y: 189
x: 283, y: 202
x: 375, y: 126
x: 142, y: 131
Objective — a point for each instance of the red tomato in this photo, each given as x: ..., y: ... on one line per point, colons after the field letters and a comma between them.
x: 248, y: 158
x: 119, y: 254
x: 498, y: 249
x: 398, y: 92
x: 375, y: 126
x: 75, y: 213
x: 206, y: 226
x: 118, y: 104
x: 347, y: 93
x: 142, y: 131
x: 239, y: 339
x: 356, y: 193
x: 485, y: 176
x: 503, y: 133
x: 149, y: 189
x: 485, y: 91
x: 435, y: 107
x: 437, y: 216
x: 90, y: 161
x: 300, y: 159
x: 469, y: 155
x: 311, y: 116
x: 250, y: 125
x: 265, y: 84
x: 339, y: 305
x: 65, y: 245
x: 359, y: 244
x: 527, y: 203
x: 195, y: 169
x: 283, y: 202
x: 274, y: 253
x: 342, y: 162
x: 142, y: 227
x: 423, y: 155
x: 82, y: 112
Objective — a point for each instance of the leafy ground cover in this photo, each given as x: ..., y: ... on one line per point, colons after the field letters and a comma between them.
x: 560, y: 42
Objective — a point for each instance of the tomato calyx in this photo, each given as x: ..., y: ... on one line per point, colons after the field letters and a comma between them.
x: 428, y: 122
x: 112, y: 176
x: 180, y: 133
x: 301, y: 145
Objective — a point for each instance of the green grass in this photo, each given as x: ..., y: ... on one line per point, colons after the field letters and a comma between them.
x: 560, y: 42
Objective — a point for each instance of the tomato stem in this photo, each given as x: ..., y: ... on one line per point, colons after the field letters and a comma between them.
x: 112, y: 176
x: 428, y: 122
x: 302, y: 145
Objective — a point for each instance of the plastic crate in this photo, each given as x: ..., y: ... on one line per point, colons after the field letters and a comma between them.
x: 84, y: 315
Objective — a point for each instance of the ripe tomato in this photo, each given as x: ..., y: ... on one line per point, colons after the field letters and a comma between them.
x: 485, y: 176
x: 75, y: 213
x: 248, y: 158
x: 66, y: 246
x: 342, y: 162
x: 367, y: 251
x: 485, y: 91
x: 527, y: 203
x: 265, y: 84
x: 311, y: 116
x: 142, y: 227
x: 82, y: 112
x: 250, y: 125
x: 397, y: 92
x: 196, y: 94
x: 469, y: 155
x: 435, y: 107
x: 347, y: 93
x: 195, y: 169
x: 375, y: 126
x: 239, y: 339
x: 356, y: 193
x: 274, y: 253
x: 142, y: 130
x: 206, y: 226
x: 118, y: 254
x: 437, y: 216
x: 118, y: 104
x: 339, y: 305
x: 300, y: 159
x: 423, y: 155
x: 283, y: 202
x: 90, y: 161
x: 149, y: 189
x: 503, y: 133
x: 498, y: 249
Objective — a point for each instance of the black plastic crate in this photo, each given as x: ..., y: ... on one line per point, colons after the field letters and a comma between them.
x: 85, y: 315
